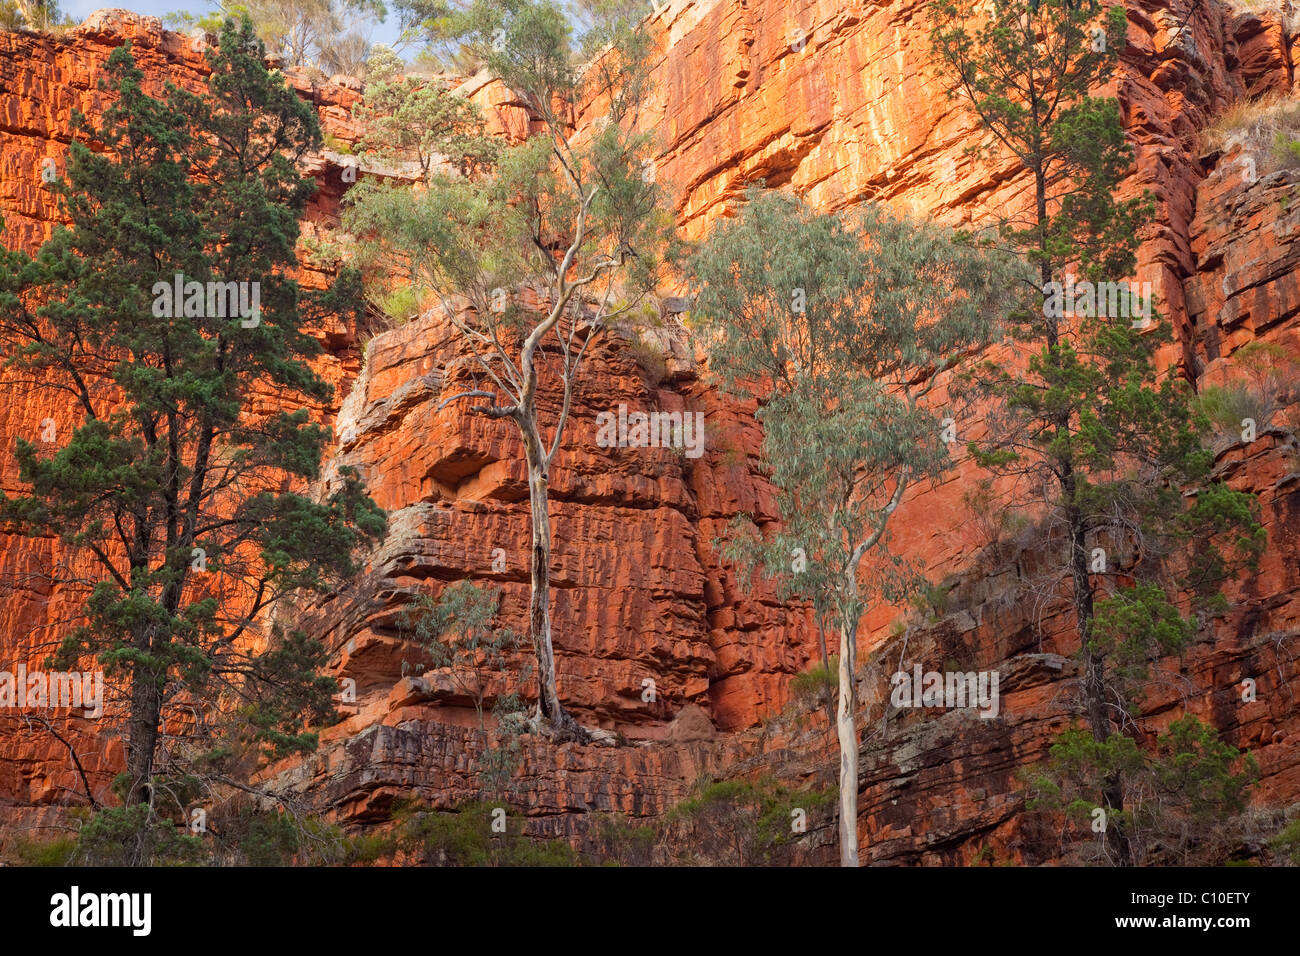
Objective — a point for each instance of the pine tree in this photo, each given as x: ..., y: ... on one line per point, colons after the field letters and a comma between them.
x: 165, y: 310
x: 1081, y: 409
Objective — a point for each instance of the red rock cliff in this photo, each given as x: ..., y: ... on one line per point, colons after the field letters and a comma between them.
x: 852, y: 113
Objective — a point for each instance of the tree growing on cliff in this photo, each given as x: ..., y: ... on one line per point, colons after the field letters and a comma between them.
x: 331, y: 36
x: 458, y: 634
x: 165, y: 317
x: 420, y: 121
x: 840, y: 328
x: 33, y: 15
x: 1080, y: 414
x: 573, y: 217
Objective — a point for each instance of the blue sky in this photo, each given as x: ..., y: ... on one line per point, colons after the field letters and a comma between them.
x: 80, y: 9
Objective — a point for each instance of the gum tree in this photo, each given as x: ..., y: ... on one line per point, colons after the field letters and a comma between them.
x: 419, y: 120
x: 1081, y: 410
x: 573, y: 216
x: 179, y: 492
x: 328, y: 35
x: 840, y: 327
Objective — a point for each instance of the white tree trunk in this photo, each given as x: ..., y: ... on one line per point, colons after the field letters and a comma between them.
x: 539, y: 605
x: 847, y: 730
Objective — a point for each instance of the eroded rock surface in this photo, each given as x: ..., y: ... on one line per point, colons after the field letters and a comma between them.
x: 835, y: 100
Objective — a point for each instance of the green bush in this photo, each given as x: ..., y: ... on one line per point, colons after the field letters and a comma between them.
x: 60, y: 851
x: 1184, y: 802
x: 817, y: 684
x: 934, y: 601
x: 650, y: 358
x: 271, y: 840
x: 1287, y: 843
x: 135, y: 836
x: 332, y: 142
x: 1226, y: 406
x: 622, y: 842
x: 740, y: 823
x: 401, y: 304
x: 1264, y: 387
x: 465, y: 837
x: 1286, y: 149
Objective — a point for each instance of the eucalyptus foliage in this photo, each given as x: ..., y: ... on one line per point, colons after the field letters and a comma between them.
x: 841, y: 327
x: 576, y: 217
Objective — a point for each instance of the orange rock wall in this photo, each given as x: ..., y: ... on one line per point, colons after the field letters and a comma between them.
x: 852, y: 114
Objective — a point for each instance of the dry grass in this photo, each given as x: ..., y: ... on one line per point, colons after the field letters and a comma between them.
x: 1266, y: 129
x: 1262, y: 385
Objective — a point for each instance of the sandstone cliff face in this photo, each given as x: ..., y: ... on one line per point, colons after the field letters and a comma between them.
x: 850, y: 113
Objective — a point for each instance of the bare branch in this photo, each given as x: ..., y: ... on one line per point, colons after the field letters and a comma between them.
x: 459, y: 395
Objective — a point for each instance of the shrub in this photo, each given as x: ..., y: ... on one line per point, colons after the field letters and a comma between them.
x: 135, y: 836
x: 1227, y: 407
x: 739, y: 822
x: 1263, y: 387
x: 934, y: 600
x: 818, y: 683
x: 1184, y: 801
x: 401, y: 304
x: 621, y: 842
x: 332, y: 142
x: 651, y: 358
x: 271, y: 840
x: 1287, y: 843
x: 60, y: 851
x: 465, y: 837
